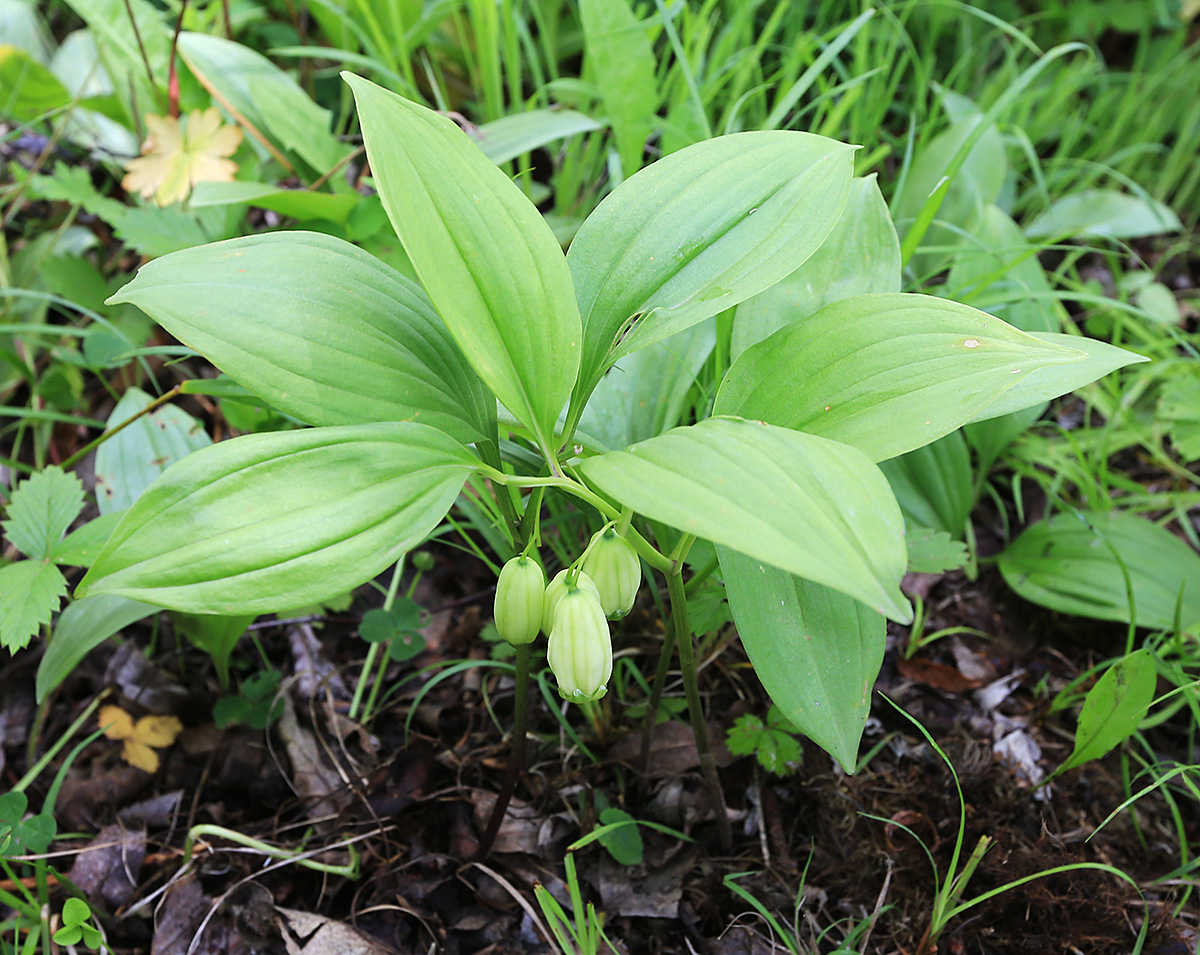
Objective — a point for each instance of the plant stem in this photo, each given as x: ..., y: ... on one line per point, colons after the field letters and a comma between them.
x: 650, y: 720
x: 153, y: 406
x: 691, y: 686
x: 516, y: 759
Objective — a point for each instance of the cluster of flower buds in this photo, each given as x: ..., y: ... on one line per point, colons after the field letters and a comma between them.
x: 573, y: 610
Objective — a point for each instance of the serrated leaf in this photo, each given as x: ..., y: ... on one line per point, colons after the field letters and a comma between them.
x: 742, y: 738
x: 489, y: 262
x: 268, y: 521
x: 885, y: 372
x: 816, y: 651
x: 697, y: 232
x: 1073, y: 563
x: 934, y: 552
x: 30, y: 592
x: 811, y: 506
x: 1179, y: 410
x: 42, y: 508
x: 1114, y: 708
x: 153, y: 232
x: 329, y: 333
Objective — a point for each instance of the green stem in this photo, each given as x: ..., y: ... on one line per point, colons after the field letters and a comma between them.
x: 650, y: 720
x: 516, y: 760
x: 36, y: 769
x: 87, y: 448
x: 373, y: 652
x: 348, y: 871
x: 691, y: 686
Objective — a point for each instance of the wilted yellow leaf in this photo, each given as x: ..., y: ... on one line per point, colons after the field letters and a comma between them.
x: 140, y: 736
x: 177, y: 155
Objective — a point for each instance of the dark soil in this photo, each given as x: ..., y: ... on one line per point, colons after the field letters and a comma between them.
x: 415, y: 803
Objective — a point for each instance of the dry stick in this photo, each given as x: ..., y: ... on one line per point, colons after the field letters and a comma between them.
x: 516, y: 760
x: 156, y: 403
x: 691, y: 686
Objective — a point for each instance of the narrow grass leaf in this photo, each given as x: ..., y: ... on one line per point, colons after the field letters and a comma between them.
x: 810, y: 506
x: 278, y: 520
x: 490, y: 263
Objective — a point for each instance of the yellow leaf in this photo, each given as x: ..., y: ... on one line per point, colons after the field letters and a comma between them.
x: 139, y: 737
x: 119, y: 723
x: 157, y: 730
x: 140, y: 756
x: 177, y: 155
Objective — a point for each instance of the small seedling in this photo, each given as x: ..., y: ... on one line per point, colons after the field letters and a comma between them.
x: 77, y: 926
x: 773, y: 742
x: 255, y: 704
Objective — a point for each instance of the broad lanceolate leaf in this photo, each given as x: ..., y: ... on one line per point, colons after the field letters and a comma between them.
x: 810, y: 506
x: 862, y: 254
x: 485, y: 255
x: 698, y: 232
x: 268, y: 521
x: 816, y: 651
x: 511, y: 136
x: 1114, y: 708
x: 934, y: 485
x: 621, y: 62
x: 41, y: 510
x: 30, y: 591
x: 1105, y: 213
x: 885, y: 373
x: 1050, y: 381
x: 1073, y: 563
x: 83, y: 626
x: 327, y: 332
x: 131, y: 459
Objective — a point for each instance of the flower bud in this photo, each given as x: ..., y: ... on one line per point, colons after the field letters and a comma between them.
x: 613, y: 564
x: 520, y: 595
x: 580, y: 648
x: 555, y: 591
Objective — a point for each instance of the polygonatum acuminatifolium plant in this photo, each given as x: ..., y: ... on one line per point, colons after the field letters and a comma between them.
x: 486, y: 368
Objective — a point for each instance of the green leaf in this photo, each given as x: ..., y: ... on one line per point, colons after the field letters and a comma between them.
x: 129, y: 461
x: 1050, y: 381
x: 507, y: 138
x: 81, y: 547
x: 625, y: 843
x: 265, y: 96
x: 816, y: 651
x: 30, y: 592
x: 620, y: 60
x: 215, y: 635
x: 934, y: 485
x: 492, y: 267
x: 277, y: 520
x: 776, y: 750
x: 698, y: 232
x: 805, y: 504
x: 80, y: 628
x: 1179, y: 410
x: 42, y: 508
x: 885, y: 373
x: 154, y: 232
x: 646, y: 393
x: 1073, y: 563
x: 862, y: 254
x: 1114, y: 708
x: 1104, y: 213
x: 29, y: 89
x: 933, y: 552
x: 329, y: 333
x: 302, y: 204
